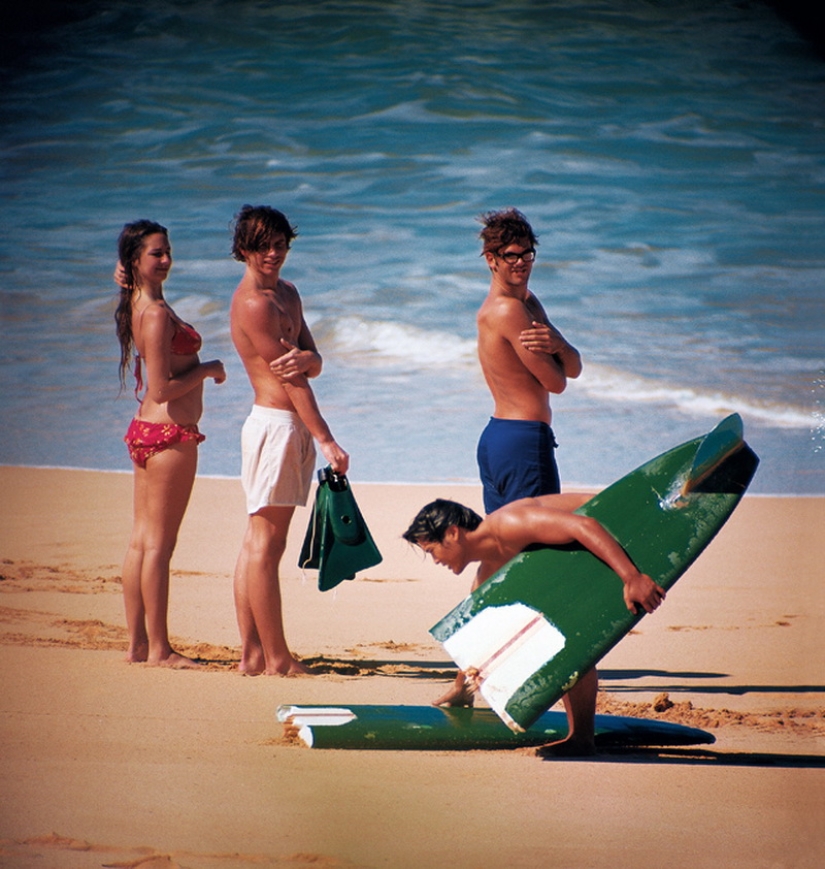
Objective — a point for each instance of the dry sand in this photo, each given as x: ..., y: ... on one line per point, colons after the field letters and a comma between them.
x: 109, y: 764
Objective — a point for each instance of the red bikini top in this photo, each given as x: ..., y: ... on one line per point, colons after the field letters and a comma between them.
x: 185, y: 342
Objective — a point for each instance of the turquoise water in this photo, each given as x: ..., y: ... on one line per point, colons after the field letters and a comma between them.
x: 671, y: 158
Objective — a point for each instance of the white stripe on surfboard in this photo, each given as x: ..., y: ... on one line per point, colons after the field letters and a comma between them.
x: 326, y: 716
x: 505, y: 645
x: 304, y: 719
x: 499, y: 655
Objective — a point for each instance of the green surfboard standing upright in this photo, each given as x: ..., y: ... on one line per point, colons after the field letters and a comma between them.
x: 550, y: 614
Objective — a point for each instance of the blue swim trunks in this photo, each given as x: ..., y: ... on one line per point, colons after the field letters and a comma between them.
x: 516, y: 459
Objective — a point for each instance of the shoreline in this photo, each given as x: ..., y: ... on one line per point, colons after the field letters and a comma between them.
x: 568, y: 486
x: 107, y: 763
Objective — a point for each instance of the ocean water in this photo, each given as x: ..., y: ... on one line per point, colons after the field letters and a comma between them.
x: 671, y: 157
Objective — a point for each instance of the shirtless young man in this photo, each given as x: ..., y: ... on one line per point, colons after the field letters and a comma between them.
x: 456, y: 536
x: 524, y: 358
x: 278, y: 455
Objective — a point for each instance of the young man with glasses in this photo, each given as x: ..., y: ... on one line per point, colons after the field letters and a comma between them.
x: 524, y: 358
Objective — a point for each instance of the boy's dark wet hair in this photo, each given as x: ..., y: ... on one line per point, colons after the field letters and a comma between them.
x: 256, y: 226
x: 505, y: 227
x: 432, y: 521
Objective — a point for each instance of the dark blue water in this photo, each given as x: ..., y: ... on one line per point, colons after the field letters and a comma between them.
x: 671, y: 158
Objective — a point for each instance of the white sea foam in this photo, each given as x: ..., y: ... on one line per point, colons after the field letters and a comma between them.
x: 365, y: 342
x: 608, y: 384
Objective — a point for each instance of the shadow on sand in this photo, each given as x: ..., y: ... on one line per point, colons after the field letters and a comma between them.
x: 704, y: 757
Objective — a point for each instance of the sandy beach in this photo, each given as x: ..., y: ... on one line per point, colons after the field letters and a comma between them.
x: 110, y: 764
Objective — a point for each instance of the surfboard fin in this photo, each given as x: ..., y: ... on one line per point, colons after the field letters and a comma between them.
x: 716, y: 447
x: 337, y: 541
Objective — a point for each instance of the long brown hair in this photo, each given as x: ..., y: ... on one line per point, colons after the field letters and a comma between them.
x: 129, y: 245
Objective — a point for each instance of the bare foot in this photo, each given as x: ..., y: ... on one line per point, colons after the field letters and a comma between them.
x: 456, y: 696
x: 174, y: 661
x: 288, y: 667
x: 137, y: 651
x: 252, y: 665
x: 570, y: 747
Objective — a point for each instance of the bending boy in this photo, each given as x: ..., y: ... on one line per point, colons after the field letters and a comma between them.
x: 456, y: 536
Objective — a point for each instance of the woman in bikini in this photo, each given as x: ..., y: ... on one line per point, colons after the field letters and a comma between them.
x: 163, y: 437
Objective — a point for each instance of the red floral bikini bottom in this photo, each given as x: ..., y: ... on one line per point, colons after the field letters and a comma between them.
x: 146, y: 439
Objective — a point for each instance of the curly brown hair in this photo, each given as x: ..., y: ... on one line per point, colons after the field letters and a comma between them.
x: 504, y: 227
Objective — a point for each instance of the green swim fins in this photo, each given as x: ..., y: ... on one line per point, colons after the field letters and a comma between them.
x: 337, y: 542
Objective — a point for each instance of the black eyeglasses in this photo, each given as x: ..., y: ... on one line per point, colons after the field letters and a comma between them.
x: 511, y: 258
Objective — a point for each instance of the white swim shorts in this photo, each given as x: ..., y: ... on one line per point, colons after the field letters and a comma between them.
x: 277, y: 459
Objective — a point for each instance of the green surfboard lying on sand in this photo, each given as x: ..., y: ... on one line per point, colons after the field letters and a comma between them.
x: 552, y: 613
x: 434, y: 728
